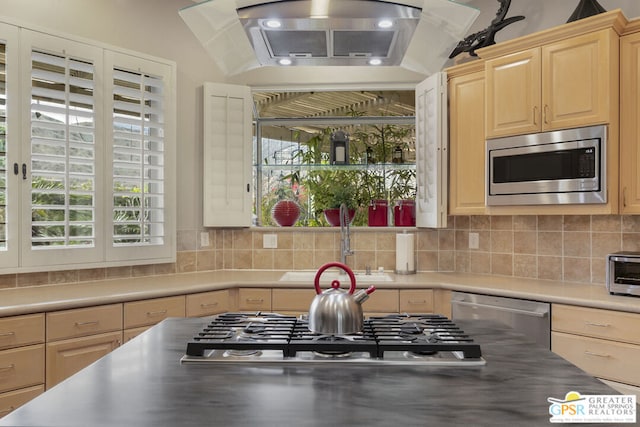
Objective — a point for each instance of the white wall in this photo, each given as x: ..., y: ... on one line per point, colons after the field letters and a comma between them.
x: 539, y: 14
x: 154, y: 27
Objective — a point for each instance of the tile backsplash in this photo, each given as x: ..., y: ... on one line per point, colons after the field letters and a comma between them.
x: 568, y: 248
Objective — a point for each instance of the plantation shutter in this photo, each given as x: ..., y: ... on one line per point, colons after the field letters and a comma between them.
x: 140, y: 159
x: 431, y: 151
x: 62, y: 168
x: 228, y: 151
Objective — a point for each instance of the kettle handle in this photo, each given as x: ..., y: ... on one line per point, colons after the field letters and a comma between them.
x: 335, y: 284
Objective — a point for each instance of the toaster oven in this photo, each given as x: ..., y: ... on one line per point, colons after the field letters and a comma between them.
x: 623, y: 273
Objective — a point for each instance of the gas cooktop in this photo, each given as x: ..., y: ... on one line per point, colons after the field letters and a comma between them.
x: 402, y: 339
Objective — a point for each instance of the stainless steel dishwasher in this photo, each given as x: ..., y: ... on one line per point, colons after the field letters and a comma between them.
x: 531, y: 318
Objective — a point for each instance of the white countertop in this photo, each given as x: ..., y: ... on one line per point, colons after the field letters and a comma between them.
x: 15, y: 301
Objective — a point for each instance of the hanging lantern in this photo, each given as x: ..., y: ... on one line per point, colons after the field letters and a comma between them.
x: 339, y: 154
x: 398, y: 156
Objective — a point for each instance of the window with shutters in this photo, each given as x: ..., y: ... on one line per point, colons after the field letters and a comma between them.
x: 138, y: 159
x: 63, y: 153
x: 87, y: 154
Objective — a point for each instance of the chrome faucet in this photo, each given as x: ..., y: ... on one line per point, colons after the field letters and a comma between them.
x: 345, y: 237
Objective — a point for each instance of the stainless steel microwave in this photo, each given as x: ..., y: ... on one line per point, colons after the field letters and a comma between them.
x: 549, y: 168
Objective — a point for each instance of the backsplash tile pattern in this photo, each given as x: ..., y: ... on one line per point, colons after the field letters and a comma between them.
x: 567, y: 248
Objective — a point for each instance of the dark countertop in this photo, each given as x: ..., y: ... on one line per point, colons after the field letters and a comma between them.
x: 143, y: 383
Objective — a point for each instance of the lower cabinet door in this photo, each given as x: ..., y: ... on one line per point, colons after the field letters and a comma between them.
x: 65, y: 358
x: 606, y: 359
x: 13, y: 399
x: 21, y: 367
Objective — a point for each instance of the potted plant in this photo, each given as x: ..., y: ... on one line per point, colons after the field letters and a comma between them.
x: 330, y: 189
x: 341, y: 195
x: 403, y: 193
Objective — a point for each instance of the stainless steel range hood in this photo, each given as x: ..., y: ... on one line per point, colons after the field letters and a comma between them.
x: 345, y: 32
x: 244, y: 34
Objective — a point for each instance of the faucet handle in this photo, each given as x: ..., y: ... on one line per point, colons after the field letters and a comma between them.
x: 367, y: 270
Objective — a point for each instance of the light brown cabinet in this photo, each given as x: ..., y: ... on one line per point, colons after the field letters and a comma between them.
x: 566, y: 84
x: 604, y: 343
x: 22, y: 360
x: 13, y: 399
x: 418, y: 301
x: 18, y: 331
x: 207, y: 303
x: 78, y: 337
x: 254, y: 299
x: 83, y: 321
x: 466, y: 140
x: 65, y: 358
x: 292, y: 301
x: 151, y: 311
x: 630, y: 124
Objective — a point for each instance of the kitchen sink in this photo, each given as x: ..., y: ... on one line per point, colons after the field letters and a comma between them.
x: 308, y: 276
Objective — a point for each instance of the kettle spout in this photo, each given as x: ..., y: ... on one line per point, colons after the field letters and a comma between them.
x: 363, y: 294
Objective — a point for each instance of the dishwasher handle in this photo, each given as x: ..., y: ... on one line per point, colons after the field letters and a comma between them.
x: 500, y: 308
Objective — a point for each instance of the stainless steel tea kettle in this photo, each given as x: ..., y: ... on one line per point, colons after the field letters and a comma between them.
x: 336, y: 311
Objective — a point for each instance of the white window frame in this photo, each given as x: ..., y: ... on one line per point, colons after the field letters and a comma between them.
x: 10, y: 36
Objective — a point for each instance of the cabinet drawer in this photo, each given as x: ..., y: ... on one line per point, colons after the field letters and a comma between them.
x: 601, y: 358
x: 83, y: 321
x: 129, y: 334
x: 207, y: 303
x: 21, y: 330
x: 250, y: 299
x: 416, y: 301
x: 598, y: 323
x: 152, y: 311
x: 65, y: 358
x: 21, y: 367
x: 296, y: 300
x: 382, y: 301
x: 13, y: 399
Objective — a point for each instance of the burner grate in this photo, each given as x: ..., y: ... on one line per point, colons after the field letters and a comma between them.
x: 415, y: 333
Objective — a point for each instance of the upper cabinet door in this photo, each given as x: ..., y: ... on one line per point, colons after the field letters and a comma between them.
x: 630, y: 124
x: 513, y: 88
x: 227, y: 155
x: 431, y: 151
x: 466, y: 145
x: 561, y: 85
x: 578, y: 77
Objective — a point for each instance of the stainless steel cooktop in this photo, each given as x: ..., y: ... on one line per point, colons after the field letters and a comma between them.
x: 403, y: 339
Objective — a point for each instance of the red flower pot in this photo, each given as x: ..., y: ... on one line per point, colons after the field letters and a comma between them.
x: 378, y: 213
x: 285, y: 213
x: 333, y: 216
x: 404, y: 213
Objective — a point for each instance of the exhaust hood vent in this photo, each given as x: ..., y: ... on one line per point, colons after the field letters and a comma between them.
x: 417, y: 35
x: 294, y: 43
x: 363, y: 43
x: 345, y: 32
